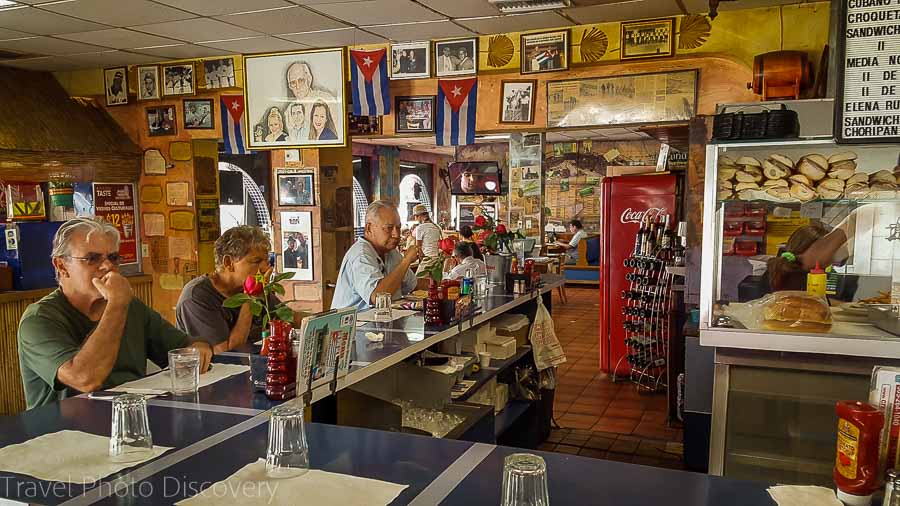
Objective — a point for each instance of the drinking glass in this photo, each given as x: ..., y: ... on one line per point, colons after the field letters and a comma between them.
x: 481, y: 287
x: 288, y: 453
x: 383, y: 307
x: 184, y: 367
x: 130, y: 438
x: 524, y: 481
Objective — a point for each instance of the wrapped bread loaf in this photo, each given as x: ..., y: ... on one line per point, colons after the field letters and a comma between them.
x: 844, y: 156
x: 796, y: 311
x: 749, y: 161
x: 746, y: 186
x: 811, y: 168
x: 779, y: 192
x: 800, y: 179
x: 776, y: 183
x: 748, y: 176
x: 774, y: 169
x: 802, y: 192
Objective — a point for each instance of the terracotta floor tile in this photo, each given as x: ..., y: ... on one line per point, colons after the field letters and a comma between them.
x: 614, y: 411
x: 616, y: 425
x: 619, y: 457
x: 655, y: 417
x: 572, y: 450
x: 623, y: 446
x: 547, y: 447
x: 576, y: 421
x: 592, y: 408
x: 599, y: 443
x: 592, y: 454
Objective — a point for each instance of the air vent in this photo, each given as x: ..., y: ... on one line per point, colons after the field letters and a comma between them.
x: 519, y: 6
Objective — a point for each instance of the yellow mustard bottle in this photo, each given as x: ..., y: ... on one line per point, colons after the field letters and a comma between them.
x: 816, y: 281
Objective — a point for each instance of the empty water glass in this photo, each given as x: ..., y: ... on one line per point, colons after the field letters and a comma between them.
x: 524, y: 481
x: 130, y: 438
x: 288, y: 453
x: 481, y: 287
x: 184, y: 367
x: 383, y: 307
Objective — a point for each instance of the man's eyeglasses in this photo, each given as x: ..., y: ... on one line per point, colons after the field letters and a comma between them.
x: 95, y: 259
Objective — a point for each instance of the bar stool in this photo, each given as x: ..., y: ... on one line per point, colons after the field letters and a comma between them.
x: 556, y: 262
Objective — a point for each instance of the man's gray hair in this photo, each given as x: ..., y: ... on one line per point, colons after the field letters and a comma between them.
x: 375, y: 207
x: 238, y: 241
x: 63, y: 238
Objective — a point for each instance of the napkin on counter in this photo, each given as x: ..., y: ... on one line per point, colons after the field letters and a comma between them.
x: 69, y: 456
x: 795, y: 495
x: 250, y: 486
x: 163, y: 381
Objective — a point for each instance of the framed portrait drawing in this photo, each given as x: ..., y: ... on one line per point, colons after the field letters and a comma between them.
x: 544, y: 52
x: 297, y: 244
x: 199, y: 114
x: 411, y: 60
x: 295, y: 99
x: 161, y: 120
x: 178, y: 80
x: 414, y: 115
x: 517, y: 105
x: 296, y: 190
x: 650, y: 38
x: 148, y: 82
x: 115, y: 82
x: 219, y: 73
x: 457, y: 57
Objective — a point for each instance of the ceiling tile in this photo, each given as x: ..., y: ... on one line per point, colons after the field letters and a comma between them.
x: 257, y: 45
x: 289, y: 20
x: 112, y: 58
x: 421, y: 31
x: 462, y: 8
x: 753, y: 4
x: 197, y: 30
x: 515, y: 23
x: 45, y: 64
x: 118, y: 38
x: 696, y: 6
x: 320, y: 2
x: 118, y: 12
x: 31, y: 20
x: 12, y: 34
x: 331, y: 38
x: 639, y: 9
x: 47, y: 46
x: 181, y: 51
x: 219, y: 7
x: 376, y: 12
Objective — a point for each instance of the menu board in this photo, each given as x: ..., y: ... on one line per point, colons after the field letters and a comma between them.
x: 869, y: 95
x: 114, y: 203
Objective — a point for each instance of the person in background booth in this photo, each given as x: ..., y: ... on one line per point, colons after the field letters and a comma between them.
x: 91, y: 332
x: 576, y: 228
x: 462, y: 261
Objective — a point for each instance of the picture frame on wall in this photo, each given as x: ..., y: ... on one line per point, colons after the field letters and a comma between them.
x: 295, y: 99
x: 297, y: 244
x: 115, y: 83
x: 544, y: 52
x: 219, y: 73
x: 363, y: 125
x: 457, y: 57
x: 414, y: 114
x: 178, y: 80
x: 199, y: 114
x: 518, y: 101
x: 161, y: 121
x: 296, y: 190
x: 411, y: 60
x: 651, y: 38
x: 148, y: 82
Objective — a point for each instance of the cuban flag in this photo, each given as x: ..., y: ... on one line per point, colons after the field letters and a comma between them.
x: 369, y: 82
x: 457, y: 100
x: 232, y: 107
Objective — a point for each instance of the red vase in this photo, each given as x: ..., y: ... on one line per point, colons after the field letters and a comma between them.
x: 281, y: 373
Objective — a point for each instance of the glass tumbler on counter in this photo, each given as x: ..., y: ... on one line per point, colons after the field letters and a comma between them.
x: 481, y: 287
x: 524, y: 481
x: 383, y: 307
x: 288, y: 453
x: 130, y: 439
x: 184, y: 367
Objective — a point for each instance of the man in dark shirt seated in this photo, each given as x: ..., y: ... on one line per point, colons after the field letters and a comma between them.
x: 91, y: 332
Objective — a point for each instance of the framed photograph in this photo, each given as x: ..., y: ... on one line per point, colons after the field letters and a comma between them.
x: 297, y: 244
x: 161, y: 120
x: 199, y: 114
x: 148, y: 82
x: 296, y: 190
x: 544, y: 52
x: 295, y: 99
x: 219, y: 73
x: 115, y: 82
x: 363, y: 125
x: 414, y: 115
x: 178, y: 80
x: 457, y: 57
x: 411, y: 60
x: 517, y: 105
x: 651, y: 38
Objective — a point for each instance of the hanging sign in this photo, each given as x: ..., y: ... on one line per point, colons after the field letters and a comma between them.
x: 868, y: 103
x: 115, y: 204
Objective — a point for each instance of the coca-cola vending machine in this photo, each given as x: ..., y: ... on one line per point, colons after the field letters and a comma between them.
x: 625, y: 201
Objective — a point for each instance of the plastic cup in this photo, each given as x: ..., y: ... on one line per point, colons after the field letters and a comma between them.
x: 484, y: 359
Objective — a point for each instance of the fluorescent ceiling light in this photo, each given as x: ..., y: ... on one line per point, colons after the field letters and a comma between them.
x: 230, y: 40
x: 498, y: 137
x: 6, y: 3
x: 516, y: 6
x: 357, y: 160
x: 407, y: 166
x: 263, y: 10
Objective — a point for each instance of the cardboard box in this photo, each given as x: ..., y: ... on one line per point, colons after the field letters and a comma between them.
x: 501, y: 397
x: 501, y: 347
x: 513, y: 325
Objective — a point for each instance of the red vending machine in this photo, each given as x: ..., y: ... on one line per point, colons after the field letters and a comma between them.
x: 624, y: 202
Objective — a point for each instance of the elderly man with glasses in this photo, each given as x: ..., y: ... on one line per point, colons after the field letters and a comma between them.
x: 91, y: 332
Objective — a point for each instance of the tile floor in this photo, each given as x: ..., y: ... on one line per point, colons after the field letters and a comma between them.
x: 599, y: 418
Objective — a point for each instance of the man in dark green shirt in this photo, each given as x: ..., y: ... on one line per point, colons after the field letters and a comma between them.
x: 91, y: 333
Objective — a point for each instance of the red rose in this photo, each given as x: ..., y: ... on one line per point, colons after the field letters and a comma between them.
x: 501, y: 229
x: 447, y: 245
x: 480, y: 221
x: 484, y: 234
x: 252, y: 286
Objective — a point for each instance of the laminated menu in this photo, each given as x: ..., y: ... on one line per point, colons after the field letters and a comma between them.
x: 884, y: 393
x: 326, y: 341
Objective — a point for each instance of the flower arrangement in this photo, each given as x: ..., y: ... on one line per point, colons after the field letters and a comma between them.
x: 494, y: 237
x: 256, y: 292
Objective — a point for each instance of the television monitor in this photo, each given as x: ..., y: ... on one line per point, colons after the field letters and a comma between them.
x: 475, y: 178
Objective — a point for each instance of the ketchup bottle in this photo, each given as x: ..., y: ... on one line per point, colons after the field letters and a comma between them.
x: 856, y: 464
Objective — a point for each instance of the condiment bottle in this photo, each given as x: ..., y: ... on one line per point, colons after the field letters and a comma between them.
x: 816, y: 281
x: 514, y: 265
x: 856, y: 463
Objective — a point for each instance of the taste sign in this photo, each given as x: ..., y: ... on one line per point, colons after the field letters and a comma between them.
x: 114, y: 203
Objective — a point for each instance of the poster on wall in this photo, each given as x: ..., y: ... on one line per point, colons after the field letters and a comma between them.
x: 114, y: 203
x: 208, y: 219
x: 297, y: 245
x: 525, y: 159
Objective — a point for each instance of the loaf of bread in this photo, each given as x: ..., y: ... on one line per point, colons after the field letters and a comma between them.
x: 787, y: 311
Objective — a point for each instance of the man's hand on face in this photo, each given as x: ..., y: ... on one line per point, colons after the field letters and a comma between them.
x: 412, y: 253
x: 114, y: 288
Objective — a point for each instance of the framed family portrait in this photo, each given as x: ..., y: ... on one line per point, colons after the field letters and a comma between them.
x: 115, y: 82
x: 295, y: 99
x: 148, y: 82
x: 517, y: 105
x: 161, y: 120
x: 199, y: 114
x: 648, y: 39
x: 414, y: 115
x: 178, y: 80
x: 544, y: 52
x: 296, y: 190
x: 219, y: 73
x: 411, y: 60
x: 457, y: 57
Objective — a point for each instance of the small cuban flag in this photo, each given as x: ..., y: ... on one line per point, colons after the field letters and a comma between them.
x: 369, y: 82
x: 457, y: 100
x: 233, y: 124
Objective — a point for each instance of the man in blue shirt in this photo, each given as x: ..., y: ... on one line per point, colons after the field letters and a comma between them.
x: 373, y: 264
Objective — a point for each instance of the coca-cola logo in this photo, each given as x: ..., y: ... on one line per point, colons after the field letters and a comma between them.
x: 631, y: 216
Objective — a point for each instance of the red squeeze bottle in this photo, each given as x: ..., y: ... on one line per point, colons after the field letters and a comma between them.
x: 856, y: 464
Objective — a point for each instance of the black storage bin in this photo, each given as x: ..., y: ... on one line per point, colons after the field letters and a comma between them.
x: 768, y: 124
